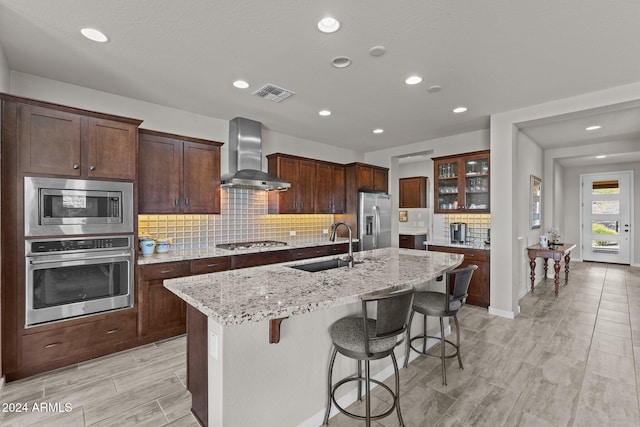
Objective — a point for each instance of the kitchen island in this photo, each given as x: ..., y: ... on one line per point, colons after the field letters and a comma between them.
x: 249, y: 381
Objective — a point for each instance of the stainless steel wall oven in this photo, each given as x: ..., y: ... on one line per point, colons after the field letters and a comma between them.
x: 54, y: 206
x: 72, y: 277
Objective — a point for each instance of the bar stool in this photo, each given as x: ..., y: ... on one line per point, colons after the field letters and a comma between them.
x: 439, y: 304
x: 365, y: 339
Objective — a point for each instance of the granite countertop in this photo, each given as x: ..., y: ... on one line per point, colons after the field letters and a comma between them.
x: 468, y: 245
x: 275, y: 291
x: 413, y: 231
x: 213, y: 252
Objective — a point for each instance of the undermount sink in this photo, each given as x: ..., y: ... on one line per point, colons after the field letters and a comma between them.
x: 323, y: 265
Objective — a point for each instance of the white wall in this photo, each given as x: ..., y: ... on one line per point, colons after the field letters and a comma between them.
x: 530, y: 158
x: 4, y: 72
x: 166, y: 119
x: 571, y: 202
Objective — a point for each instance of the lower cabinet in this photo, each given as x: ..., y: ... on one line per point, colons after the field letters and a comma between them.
x: 410, y: 241
x: 49, y: 347
x: 479, y: 289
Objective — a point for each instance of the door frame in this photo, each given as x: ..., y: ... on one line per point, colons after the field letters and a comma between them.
x: 631, y: 211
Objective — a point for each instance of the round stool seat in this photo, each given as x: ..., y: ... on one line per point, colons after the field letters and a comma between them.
x: 348, y: 336
x: 434, y: 304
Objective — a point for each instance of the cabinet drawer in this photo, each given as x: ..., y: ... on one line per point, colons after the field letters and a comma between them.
x: 46, y: 347
x: 313, y: 252
x: 166, y: 270
x: 469, y: 254
x: 210, y: 265
x: 261, y: 258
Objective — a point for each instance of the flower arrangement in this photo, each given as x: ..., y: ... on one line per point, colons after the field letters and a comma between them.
x: 554, y: 235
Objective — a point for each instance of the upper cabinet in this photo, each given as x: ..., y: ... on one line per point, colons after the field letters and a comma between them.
x: 369, y: 177
x: 461, y: 183
x: 413, y: 192
x: 316, y: 186
x: 178, y: 174
x: 69, y: 143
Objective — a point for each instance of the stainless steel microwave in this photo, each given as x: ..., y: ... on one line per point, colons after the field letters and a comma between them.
x: 54, y: 206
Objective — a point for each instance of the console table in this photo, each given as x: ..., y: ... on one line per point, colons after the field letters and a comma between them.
x: 555, y: 252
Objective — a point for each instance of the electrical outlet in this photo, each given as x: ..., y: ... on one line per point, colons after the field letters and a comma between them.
x: 292, y: 233
x: 420, y: 223
x: 325, y: 231
x: 213, y: 345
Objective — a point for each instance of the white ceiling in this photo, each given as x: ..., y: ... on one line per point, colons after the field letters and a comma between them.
x: 491, y: 56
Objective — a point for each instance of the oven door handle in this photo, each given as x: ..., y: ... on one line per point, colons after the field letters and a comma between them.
x: 84, y: 259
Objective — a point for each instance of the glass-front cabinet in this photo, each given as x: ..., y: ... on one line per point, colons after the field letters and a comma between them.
x: 461, y: 183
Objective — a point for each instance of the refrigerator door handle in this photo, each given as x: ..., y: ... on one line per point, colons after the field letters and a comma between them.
x: 376, y: 233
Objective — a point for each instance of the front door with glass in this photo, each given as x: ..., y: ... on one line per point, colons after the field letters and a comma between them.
x: 606, y: 217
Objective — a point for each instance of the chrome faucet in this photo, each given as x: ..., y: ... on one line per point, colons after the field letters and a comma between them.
x: 334, y: 228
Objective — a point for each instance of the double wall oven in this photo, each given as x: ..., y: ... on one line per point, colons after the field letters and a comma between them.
x: 79, y: 253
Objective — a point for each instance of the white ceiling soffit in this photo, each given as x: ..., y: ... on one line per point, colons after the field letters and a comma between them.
x: 491, y: 56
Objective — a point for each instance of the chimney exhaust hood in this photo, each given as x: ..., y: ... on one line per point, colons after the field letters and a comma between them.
x: 245, y: 158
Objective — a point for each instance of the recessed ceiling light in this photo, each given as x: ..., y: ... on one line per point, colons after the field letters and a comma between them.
x: 601, y: 156
x: 341, y: 62
x: 458, y: 110
x: 594, y: 127
x: 324, y: 112
x: 328, y: 25
x: 241, y: 84
x: 377, y: 51
x: 413, y: 80
x: 378, y: 130
x: 434, y: 89
x: 95, y: 35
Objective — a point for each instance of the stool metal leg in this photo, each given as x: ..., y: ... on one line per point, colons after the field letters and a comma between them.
x: 360, y: 382
x: 424, y: 333
x: 444, y: 367
x: 397, y: 396
x: 455, y: 318
x: 406, y: 358
x: 367, y: 374
x: 329, y: 375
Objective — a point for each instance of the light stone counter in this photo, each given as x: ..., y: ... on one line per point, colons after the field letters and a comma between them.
x: 480, y: 246
x: 213, y: 252
x: 276, y: 290
x: 251, y: 382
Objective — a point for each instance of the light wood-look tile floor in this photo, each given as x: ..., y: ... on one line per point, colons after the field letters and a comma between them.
x: 573, y: 360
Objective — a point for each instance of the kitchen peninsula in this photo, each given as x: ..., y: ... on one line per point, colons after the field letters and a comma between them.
x: 248, y: 381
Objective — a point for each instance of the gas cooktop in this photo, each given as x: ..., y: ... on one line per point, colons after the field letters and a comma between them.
x: 251, y: 245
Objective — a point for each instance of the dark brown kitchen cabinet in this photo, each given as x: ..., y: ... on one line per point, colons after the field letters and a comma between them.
x: 329, y: 192
x: 413, y: 192
x: 479, y: 288
x: 60, y: 141
x: 301, y: 173
x: 369, y: 177
x: 461, y: 183
x: 161, y: 313
x: 178, y: 174
x: 410, y: 241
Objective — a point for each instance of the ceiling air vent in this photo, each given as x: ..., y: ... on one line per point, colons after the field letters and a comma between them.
x: 273, y: 93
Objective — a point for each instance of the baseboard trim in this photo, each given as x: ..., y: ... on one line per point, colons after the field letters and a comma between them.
x: 505, y: 313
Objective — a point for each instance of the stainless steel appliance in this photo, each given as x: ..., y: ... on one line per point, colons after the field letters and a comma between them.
x: 67, y: 278
x: 458, y: 231
x: 250, y: 245
x: 54, y: 206
x: 374, y: 220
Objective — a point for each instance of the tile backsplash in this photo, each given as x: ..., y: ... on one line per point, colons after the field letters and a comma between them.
x: 478, y: 226
x: 244, y: 216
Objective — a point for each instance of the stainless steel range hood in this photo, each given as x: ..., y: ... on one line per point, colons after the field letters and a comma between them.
x: 245, y: 158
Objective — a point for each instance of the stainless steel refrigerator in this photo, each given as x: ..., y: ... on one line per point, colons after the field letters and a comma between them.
x: 374, y: 220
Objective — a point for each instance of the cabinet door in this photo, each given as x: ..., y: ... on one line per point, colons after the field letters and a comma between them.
x: 380, y: 180
x: 167, y: 312
x: 476, y: 183
x: 49, y: 141
x: 307, y: 186
x: 111, y: 149
x: 364, y: 177
x: 337, y: 189
x: 201, y: 170
x: 159, y: 174
x: 287, y: 169
x: 446, y: 186
x: 324, y: 186
x: 413, y: 193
